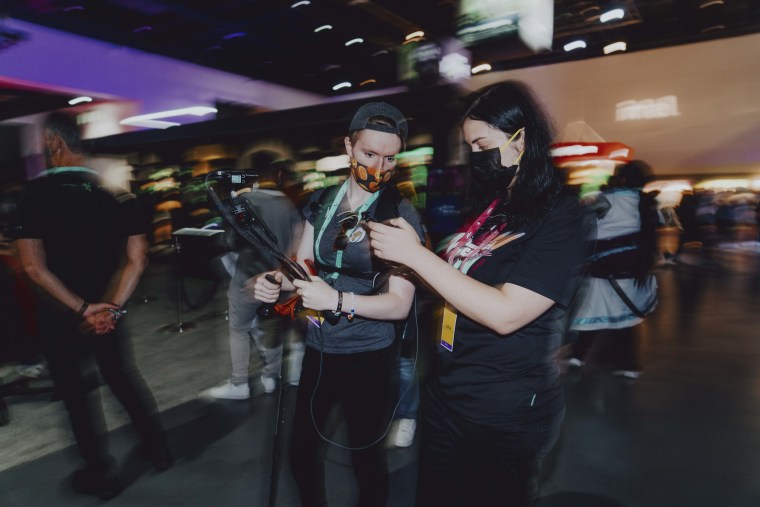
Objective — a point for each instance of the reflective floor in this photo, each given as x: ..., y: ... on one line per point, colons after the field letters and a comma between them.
x: 686, y: 433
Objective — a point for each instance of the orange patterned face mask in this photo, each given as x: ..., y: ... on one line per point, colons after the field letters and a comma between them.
x: 369, y: 178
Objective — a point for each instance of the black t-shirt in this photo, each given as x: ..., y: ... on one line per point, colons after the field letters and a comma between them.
x: 499, y: 380
x: 83, y: 227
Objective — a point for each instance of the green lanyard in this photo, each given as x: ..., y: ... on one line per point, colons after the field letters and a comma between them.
x: 329, y: 214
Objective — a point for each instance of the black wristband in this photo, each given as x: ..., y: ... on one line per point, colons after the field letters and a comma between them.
x: 340, y: 303
x: 83, y: 309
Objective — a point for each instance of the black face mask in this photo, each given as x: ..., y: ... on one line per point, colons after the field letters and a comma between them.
x: 489, y: 174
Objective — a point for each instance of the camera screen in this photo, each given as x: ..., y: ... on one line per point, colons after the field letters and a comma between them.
x: 236, y: 179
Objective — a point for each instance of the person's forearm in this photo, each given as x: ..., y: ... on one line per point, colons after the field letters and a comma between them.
x: 379, y: 307
x: 128, y: 277
x: 33, y: 259
x: 486, y: 305
x: 55, y: 287
x: 127, y: 282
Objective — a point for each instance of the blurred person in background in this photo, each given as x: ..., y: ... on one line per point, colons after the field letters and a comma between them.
x: 687, y: 216
x: 284, y: 220
x: 19, y: 341
x: 493, y: 406
x: 706, y: 215
x: 85, y: 249
x: 619, y: 290
x: 352, y: 362
x: 413, y: 355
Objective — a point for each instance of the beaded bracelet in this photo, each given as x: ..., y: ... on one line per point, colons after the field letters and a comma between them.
x: 352, y: 314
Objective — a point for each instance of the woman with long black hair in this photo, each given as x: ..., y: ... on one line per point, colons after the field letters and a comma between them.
x: 493, y: 406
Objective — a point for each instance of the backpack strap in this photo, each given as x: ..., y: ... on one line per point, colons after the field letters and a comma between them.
x: 319, y: 207
x: 387, y: 207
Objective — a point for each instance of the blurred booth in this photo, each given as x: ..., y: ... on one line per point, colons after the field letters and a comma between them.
x: 170, y: 166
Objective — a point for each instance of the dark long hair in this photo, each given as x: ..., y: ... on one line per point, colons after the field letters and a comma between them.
x: 509, y: 106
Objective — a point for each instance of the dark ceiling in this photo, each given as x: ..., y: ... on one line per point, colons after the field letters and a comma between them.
x: 272, y: 40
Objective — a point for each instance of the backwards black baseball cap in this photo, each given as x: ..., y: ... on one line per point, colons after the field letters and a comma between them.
x: 367, y: 111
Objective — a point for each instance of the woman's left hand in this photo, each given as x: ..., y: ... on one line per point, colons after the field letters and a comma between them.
x: 396, y: 242
x: 316, y: 294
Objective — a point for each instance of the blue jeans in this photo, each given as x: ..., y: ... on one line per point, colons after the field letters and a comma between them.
x: 409, y: 390
x: 244, y: 325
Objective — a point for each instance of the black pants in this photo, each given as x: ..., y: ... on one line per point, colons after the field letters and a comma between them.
x: 362, y: 384
x: 616, y: 347
x: 462, y: 463
x: 70, y: 355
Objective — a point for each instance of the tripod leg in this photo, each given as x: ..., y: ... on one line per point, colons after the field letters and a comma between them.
x: 277, y: 439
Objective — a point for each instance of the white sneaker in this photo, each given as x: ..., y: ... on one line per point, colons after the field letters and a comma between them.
x: 30, y: 370
x: 269, y: 384
x: 405, y: 432
x: 230, y: 391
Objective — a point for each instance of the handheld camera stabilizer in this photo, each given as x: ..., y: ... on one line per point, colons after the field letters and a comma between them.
x: 246, y: 221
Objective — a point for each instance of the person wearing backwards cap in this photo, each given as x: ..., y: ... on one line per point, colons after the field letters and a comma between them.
x: 350, y: 362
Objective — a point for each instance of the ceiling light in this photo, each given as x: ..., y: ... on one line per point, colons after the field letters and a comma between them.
x: 79, y: 100
x: 368, y: 81
x: 302, y: 3
x: 235, y: 35
x: 415, y: 35
x: 146, y: 28
x: 357, y: 40
x: 381, y: 52
x: 613, y: 14
x: 483, y: 67
x: 152, y: 120
x: 710, y: 3
x: 344, y: 84
x: 576, y: 44
x: 323, y: 27
x: 149, y: 124
x: 614, y: 47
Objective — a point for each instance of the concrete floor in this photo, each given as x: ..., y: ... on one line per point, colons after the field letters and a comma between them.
x: 687, y: 433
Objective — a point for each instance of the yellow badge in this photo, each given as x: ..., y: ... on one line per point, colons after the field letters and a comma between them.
x: 447, y: 327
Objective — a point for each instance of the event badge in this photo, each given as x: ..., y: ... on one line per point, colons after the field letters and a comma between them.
x: 448, y: 326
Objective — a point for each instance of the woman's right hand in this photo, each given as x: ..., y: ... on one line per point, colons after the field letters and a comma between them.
x: 264, y: 290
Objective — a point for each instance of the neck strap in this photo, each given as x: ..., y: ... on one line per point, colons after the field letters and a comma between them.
x: 67, y: 169
x: 329, y: 214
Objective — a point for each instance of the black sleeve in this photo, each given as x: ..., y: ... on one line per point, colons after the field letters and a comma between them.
x: 32, y: 212
x: 134, y: 219
x: 408, y: 212
x: 552, y: 262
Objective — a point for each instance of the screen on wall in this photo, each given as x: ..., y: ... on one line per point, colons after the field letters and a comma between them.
x: 483, y: 20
